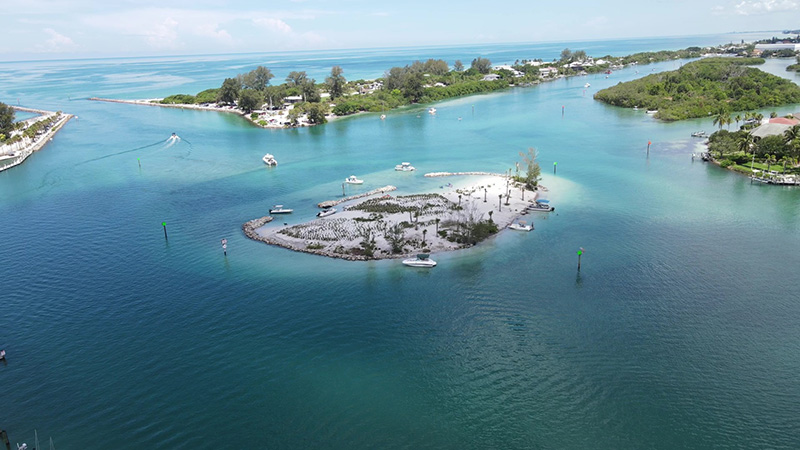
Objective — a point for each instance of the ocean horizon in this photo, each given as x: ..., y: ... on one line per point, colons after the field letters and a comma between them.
x: 679, y: 331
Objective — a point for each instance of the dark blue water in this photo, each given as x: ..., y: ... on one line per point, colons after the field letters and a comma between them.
x: 680, y: 331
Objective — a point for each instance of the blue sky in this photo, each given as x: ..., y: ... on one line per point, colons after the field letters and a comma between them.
x: 45, y: 29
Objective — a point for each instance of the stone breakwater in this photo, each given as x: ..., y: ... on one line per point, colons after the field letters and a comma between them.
x: 452, y: 174
x: 330, y: 203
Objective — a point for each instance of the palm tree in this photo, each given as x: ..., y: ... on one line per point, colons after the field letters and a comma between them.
x: 424, y: 232
x: 759, y: 117
x: 745, y: 142
x: 437, y: 224
x: 722, y: 118
x: 791, y: 134
x: 770, y: 160
x: 490, y: 215
x: 784, y: 160
x: 737, y: 119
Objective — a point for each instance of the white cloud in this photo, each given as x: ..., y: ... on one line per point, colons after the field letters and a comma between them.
x: 57, y: 42
x: 755, y: 7
x: 213, y: 31
x: 164, y: 35
x: 273, y: 24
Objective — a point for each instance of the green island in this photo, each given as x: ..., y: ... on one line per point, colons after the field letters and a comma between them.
x: 301, y: 100
x: 702, y: 88
x: 794, y: 67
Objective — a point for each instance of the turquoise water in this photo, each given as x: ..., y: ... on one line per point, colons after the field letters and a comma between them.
x: 680, y: 331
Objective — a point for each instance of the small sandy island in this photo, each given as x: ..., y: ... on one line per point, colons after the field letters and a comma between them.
x: 467, y: 210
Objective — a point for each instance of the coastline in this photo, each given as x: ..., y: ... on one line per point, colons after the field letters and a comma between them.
x: 407, y: 224
x: 12, y: 155
x: 283, y: 123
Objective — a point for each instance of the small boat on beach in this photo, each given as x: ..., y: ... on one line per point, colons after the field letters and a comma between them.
x: 540, y: 205
x: 353, y: 180
x: 279, y: 209
x: 520, y: 226
x: 326, y: 212
x: 269, y: 160
x: 422, y: 260
x: 699, y: 134
x: 404, y: 167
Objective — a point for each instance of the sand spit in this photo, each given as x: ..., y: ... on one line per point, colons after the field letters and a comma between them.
x: 397, y: 226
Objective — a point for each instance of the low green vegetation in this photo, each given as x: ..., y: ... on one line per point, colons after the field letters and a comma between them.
x: 6, y: 121
x: 794, y: 67
x: 702, y: 88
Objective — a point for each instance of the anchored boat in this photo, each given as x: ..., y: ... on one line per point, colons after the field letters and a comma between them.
x: 422, y: 260
x: 404, y: 167
x: 353, y: 180
x: 279, y: 209
x: 326, y: 212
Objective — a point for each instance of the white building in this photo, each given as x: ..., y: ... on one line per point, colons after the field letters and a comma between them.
x: 778, y: 46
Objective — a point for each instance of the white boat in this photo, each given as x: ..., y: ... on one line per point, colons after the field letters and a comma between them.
x: 353, y: 180
x: 383, y: 116
x: 432, y: 111
x: 269, y: 160
x: 279, y: 209
x: 699, y: 134
x: 326, y: 212
x: 652, y: 111
x: 540, y: 205
x: 422, y: 260
x: 520, y: 226
x: 586, y: 85
x: 404, y: 167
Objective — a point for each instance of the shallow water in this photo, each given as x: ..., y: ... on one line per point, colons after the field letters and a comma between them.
x: 680, y: 330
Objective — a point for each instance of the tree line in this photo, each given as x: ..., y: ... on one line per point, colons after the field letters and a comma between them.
x: 704, y: 87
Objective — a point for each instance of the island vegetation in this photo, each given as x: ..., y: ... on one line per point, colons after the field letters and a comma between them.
x: 301, y: 100
x: 702, y: 88
x: 794, y: 67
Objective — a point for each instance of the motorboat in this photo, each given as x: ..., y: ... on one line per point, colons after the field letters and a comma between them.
x: 432, y: 111
x: 279, y: 209
x: 353, y: 180
x: 520, y: 226
x: 404, y: 167
x: 422, y: 260
x: 586, y: 85
x: 383, y: 116
x: 540, y: 205
x: 652, y: 111
x: 269, y: 160
x: 699, y: 134
x: 326, y: 212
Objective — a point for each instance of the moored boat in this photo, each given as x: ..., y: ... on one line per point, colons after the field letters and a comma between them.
x: 422, y: 260
x: 404, y: 167
x: 520, y: 226
x: 699, y: 134
x: 432, y: 111
x: 540, y: 205
x: 353, y: 180
x: 279, y: 209
x: 326, y: 212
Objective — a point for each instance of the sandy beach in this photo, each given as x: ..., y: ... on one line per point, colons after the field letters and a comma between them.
x: 396, y: 226
x: 265, y: 119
